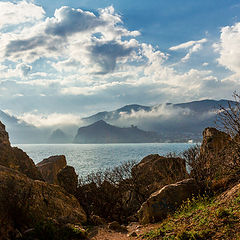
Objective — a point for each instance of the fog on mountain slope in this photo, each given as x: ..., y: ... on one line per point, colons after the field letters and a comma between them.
x: 173, y: 122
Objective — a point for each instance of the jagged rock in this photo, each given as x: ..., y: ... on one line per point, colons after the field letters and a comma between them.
x: 15, y: 158
x: 51, y: 166
x: 155, y: 171
x: 214, y: 141
x: 166, y: 200
x: 68, y: 179
x: 24, y: 202
x: 219, y: 154
x: 4, y: 139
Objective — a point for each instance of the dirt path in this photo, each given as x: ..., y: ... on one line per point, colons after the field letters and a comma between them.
x: 103, y: 233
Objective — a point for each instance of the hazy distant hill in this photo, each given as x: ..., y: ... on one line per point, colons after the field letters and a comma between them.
x: 174, y: 122
x: 114, y: 115
x: 101, y: 132
x: 21, y: 132
x: 58, y: 136
x: 196, y: 106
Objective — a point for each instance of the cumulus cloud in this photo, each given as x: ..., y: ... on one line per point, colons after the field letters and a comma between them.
x: 106, y: 54
x: 80, y: 56
x: 20, y: 12
x: 24, y: 69
x: 68, y: 21
x: 71, y: 35
x: 229, y: 48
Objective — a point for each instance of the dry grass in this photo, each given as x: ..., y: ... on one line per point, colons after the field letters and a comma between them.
x: 203, y: 218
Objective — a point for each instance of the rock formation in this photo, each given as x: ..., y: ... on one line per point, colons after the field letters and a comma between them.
x: 214, y: 141
x: 24, y: 202
x: 102, y: 132
x: 68, y: 179
x: 155, y: 171
x: 15, y: 158
x: 166, y: 200
x: 51, y: 166
x: 220, y: 157
x: 4, y: 139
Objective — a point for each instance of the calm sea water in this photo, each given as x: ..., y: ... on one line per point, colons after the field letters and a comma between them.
x: 86, y: 158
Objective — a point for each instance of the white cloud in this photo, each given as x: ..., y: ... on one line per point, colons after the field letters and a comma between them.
x: 92, y: 57
x: 229, y: 48
x: 192, y: 46
x: 71, y: 37
x: 192, y: 50
x: 51, y: 120
x: 23, y: 69
x: 21, y: 12
x: 187, y: 44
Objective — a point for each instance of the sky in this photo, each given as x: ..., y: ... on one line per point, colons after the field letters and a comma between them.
x: 61, y: 60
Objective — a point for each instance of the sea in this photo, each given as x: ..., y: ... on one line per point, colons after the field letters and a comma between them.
x: 88, y: 158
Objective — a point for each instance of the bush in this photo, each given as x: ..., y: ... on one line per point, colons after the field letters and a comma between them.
x: 103, y: 193
x: 51, y: 230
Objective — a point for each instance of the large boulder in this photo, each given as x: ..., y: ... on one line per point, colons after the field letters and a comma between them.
x: 15, y: 158
x: 68, y: 179
x: 166, y: 200
x: 155, y: 171
x: 25, y: 202
x: 51, y: 166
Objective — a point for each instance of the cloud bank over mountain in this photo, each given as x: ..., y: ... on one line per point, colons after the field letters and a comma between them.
x: 84, y: 60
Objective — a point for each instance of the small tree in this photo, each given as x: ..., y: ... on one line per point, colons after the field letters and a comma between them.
x: 228, y: 118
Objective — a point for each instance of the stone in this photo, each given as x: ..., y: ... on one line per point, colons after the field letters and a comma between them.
x: 15, y: 158
x: 97, y: 221
x: 115, y: 226
x: 4, y: 138
x: 24, y: 201
x: 219, y: 154
x: 214, y: 141
x: 68, y: 179
x: 132, y: 234
x: 154, y: 172
x: 51, y: 166
x: 166, y: 200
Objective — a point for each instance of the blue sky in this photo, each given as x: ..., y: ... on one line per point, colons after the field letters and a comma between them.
x: 62, y: 60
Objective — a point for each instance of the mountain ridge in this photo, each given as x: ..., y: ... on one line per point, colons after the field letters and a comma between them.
x: 102, y: 132
x: 175, y: 122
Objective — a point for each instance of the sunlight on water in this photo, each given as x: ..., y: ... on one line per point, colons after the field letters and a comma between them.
x: 86, y: 158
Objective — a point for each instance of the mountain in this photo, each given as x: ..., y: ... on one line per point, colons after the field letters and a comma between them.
x: 114, y: 115
x: 58, y: 136
x: 21, y: 132
x: 195, y: 106
x: 173, y: 122
x: 102, y: 132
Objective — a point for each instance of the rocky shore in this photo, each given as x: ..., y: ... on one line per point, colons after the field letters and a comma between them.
x: 46, y: 201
